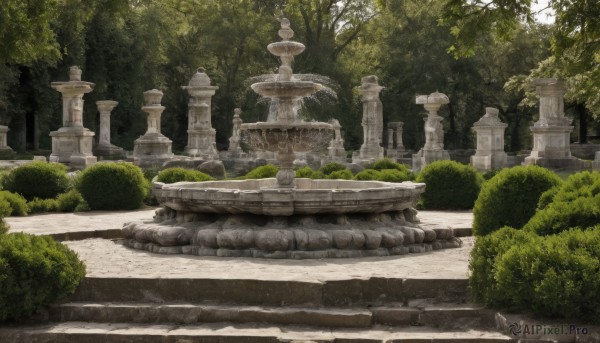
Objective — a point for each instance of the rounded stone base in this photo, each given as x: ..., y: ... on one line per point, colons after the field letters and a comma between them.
x: 296, y: 237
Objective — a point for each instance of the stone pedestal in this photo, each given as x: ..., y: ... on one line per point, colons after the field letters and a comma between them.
x: 235, y: 150
x: 104, y: 148
x: 394, y: 146
x: 490, y: 142
x: 5, y: 150
x: 153, y: 148
x: 372, y: 122
x: 434, y: 131
x: 552, y: 132
x: 72, y: 143
x: 596, y: 162
x: 201, y: 135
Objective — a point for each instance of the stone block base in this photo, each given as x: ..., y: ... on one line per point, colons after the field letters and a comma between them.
x: 425, y: 157
x: 570, y: 163
x: 152, y: 149
x: 489, y: 162
x: 73, y: 146
x: 109, y: 151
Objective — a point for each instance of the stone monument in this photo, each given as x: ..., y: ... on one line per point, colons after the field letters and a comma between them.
x: 394, y: 146
x: 234, y: 141
x: 434, y: 131
x: 5, y: 150
x: 552, y: 132
x: 104, y: 148
x: 153, y: 148
x: 336, y: 151
x: 201, y: 135
x: 372, y: 122
x: 490, y: 142
x: 72, y: 143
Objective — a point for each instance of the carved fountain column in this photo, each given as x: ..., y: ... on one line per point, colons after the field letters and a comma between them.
x: 72, y: 143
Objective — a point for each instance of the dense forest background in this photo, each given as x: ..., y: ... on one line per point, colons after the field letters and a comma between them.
x: 479, y: 53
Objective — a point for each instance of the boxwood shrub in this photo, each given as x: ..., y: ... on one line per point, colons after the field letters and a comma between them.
x: 38, y: 205
x: 18, y: 204
x: 510, y: 198
x: 575, y: 204
x: 172, y: 175
x: 393, y: 175
x: 332, y: 167
x: 449, y: 185
x: 367, y: 175
x: 35, y: 271
x: 305, y: 172
x: 37, y: 179
x: 262, y: 172
x: 112, y: 186
x: 343, y: 174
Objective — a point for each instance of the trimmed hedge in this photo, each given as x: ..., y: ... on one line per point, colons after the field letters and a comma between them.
x: 37, y: 179
x: 344, y: 174
x: 449, y: 185
x: 172, y: 175
x: 112, y: 186
x: 332, y: 167
x: 367, y: 175
x: 35, y: 271
x: 510, y: 198
x: 38, y: 205
x: 262, y: 172
x: 18, y: 204
x: 304, y: 172
x: 393, y: 175
x: 386, y: 163
x: 575, y: 204
x: 70, y: 201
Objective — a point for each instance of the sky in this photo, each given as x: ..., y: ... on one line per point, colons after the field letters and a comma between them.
x: 546, y: 16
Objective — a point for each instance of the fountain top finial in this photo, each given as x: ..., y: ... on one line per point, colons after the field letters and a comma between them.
x: 286, y: 32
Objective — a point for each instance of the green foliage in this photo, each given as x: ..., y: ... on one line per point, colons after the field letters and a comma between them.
x: 304, y: 172
x: 38, y: 205
x: 510, y: 198
x: 575, y: 204
x: 37, y: 179
x: 557, y: 276
x: 18, y: 204
x: 386, y: 163
x: 318, y: 175
x: 340, y: 174
x: 112, y: 186
x: 486, y: 253
x: 68, y: 202
x: 547, y: 197
x: 367, y: 174
x: 172, y: 175
x: 393, y: 175
x: 5, y: 210
x: 35, y: 271
x: 262, y: 172
x: 449, y: 185
x: 332, y: 167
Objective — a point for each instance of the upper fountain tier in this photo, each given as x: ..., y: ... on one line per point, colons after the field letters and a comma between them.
x: 284, y: 88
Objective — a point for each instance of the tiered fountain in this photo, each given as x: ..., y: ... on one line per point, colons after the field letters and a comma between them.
x: 285, y: 217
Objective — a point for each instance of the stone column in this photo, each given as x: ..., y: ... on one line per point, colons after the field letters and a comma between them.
x: 336, y: 151
x: 153, y: 148
x: 234, y: 140
x: 552, y: 132
x: 490, y: 142
x: 201, y: 135
x: 72, y: 143
x: 395, y: 150
x: 434, y: 131
x: 372, y: 121
x: 390, y: 139
x: 104, y: 148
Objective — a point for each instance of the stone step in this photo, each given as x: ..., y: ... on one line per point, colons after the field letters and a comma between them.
x: 88, y: 332
x: 446, y: 316
x: 372, y: 291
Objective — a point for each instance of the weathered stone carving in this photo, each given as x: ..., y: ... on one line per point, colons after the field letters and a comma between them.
x: 153, y: 148
x: 372, y: 121
x: 434, y: 131
x: 104, y: 147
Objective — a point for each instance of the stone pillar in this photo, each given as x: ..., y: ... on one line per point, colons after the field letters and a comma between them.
x: 434, y: 131
x: 201, y: 135
x: 234, y: 140
x: 490, y: 142
x: 104, y: 148
x: 596, y: 162
x: 395, y: 150
x: 153, y: 148
x: 72, y: 143
x: 5, y: 150
x: 552, y: 132
x: 336, y: 151
x: 372, y: 121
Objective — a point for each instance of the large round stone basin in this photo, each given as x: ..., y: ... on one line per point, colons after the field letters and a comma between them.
x: 262, y: 196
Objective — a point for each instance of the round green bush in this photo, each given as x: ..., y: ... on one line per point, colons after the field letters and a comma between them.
x: 575, y: 204
x: 332, y: 167
x: 510, y: 198
x: 35, y: 271
x: 68, y: 202
x: 262, y: 172
x: 485, y: 255
x: 37, y: 179
x: 340, y: 174
x: 555, y: 276
x: 18, y: 204
x: 112, y: 186
x: 5, y: 210
x: 317, y: 174
x: 367, y: 175
x: 449, y: 185
x: 172, y: 175
x: 386, y: 163
x: 305, y: 172
x: 393, y: 175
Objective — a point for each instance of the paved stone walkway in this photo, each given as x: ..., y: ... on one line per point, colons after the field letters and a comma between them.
x: 106, y: 258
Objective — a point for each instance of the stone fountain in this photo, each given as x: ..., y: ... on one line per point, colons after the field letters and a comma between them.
x: 285, y: 217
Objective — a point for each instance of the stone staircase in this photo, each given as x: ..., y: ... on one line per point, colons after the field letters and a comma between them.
x: 245, y: 310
